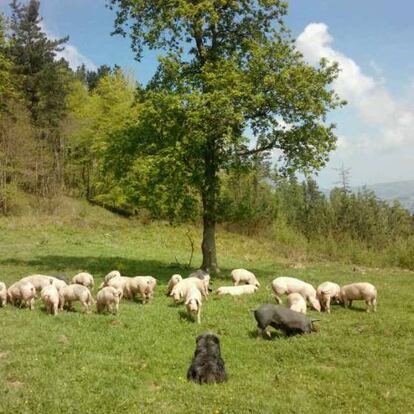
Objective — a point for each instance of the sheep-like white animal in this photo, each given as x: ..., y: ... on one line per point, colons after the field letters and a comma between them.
x: 110, y: 275
x: 22, y: 293
x: 236, y: 290
x: 152, y: 283
x: 286, y: 285
x: 193, y: 303
x: 73, y: 293
x: 326, y: 292
x: 181, y: 289
x: 85, y: 279
x: 241, y: 276
x: 41, y: 281
x: 359, y: 291
x: 107, y: 299
x: 50, y: 297
x: 296, y: 302
x: 142, y: 285
x: 172, y: 282
x: 120, y: 283
x: 3, y: 294
x: 59, y: 284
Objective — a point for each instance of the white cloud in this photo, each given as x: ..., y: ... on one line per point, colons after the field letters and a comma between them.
x: 75, y: 58
x: 315, y: 43
x: 390, y: 118
x: 70, y: 52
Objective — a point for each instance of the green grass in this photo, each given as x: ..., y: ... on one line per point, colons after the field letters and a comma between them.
x: 136, y: 362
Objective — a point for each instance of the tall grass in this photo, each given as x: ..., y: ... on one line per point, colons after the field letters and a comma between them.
x: 293, y: 245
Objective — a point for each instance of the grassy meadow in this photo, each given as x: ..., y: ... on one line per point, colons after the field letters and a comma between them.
x: 136, y: 362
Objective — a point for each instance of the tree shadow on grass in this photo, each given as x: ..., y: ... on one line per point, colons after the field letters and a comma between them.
x: 97, y: 266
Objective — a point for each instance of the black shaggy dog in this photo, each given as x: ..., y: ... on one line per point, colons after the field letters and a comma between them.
x: 207, y: 366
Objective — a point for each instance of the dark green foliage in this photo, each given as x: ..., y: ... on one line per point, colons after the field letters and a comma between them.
x: 42, y: 81
x: 91, y: 77
x: 251, y: 204
x: 42, y: 84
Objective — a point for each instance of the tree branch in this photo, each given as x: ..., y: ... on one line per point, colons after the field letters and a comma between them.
x: 197, y: 34
x: 262, y: 148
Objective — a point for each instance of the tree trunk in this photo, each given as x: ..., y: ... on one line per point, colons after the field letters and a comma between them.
x: 209, y: 196
x: 208, y: 246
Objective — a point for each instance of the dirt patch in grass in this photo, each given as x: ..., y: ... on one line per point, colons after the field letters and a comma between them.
x: 154, y: 387
x: 13, y: 383
x: 63, y: 339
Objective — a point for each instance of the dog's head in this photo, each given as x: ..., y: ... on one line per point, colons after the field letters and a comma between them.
x: 209, y: 343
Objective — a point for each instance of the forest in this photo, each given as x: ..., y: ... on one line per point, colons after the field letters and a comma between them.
x: 103, y: 137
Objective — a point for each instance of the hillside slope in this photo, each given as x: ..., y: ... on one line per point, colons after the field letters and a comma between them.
x: 137, y: 360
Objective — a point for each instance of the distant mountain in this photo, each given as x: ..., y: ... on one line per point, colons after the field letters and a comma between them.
x: 403, y: 191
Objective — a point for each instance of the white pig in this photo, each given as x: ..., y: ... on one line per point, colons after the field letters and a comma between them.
x: 296, y: 302
x: 172, y: 282
x: 326, y: 292
x: 120, y: 283
x: 143, y: 286
x: 3, y: 294
x: 243, y: 276
x: 50, y: 298
x: 359, y: 291
x: 236, y: 290
x: 22, y: 293
x: 85, y: 279
x: 107, y: 299
x: 73, y: 293
x: 193, y: 303
x: 110, y: 275
x: 181, y: 289
x: 38, y: 281
x: 41, y: 281
x: 286, y: 285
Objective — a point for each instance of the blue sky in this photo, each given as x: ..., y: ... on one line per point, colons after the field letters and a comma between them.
x: 371, y: 39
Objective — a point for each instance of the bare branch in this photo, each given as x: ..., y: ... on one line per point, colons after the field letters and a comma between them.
x: 192, y: 249
x: 257, y: 150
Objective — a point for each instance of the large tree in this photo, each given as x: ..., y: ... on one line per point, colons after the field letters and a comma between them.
x: 230, y: 85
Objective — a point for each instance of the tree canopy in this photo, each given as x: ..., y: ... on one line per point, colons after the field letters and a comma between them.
x: 230, y: 76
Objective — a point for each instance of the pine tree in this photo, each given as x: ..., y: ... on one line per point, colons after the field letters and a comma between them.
x: 42, y: 79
